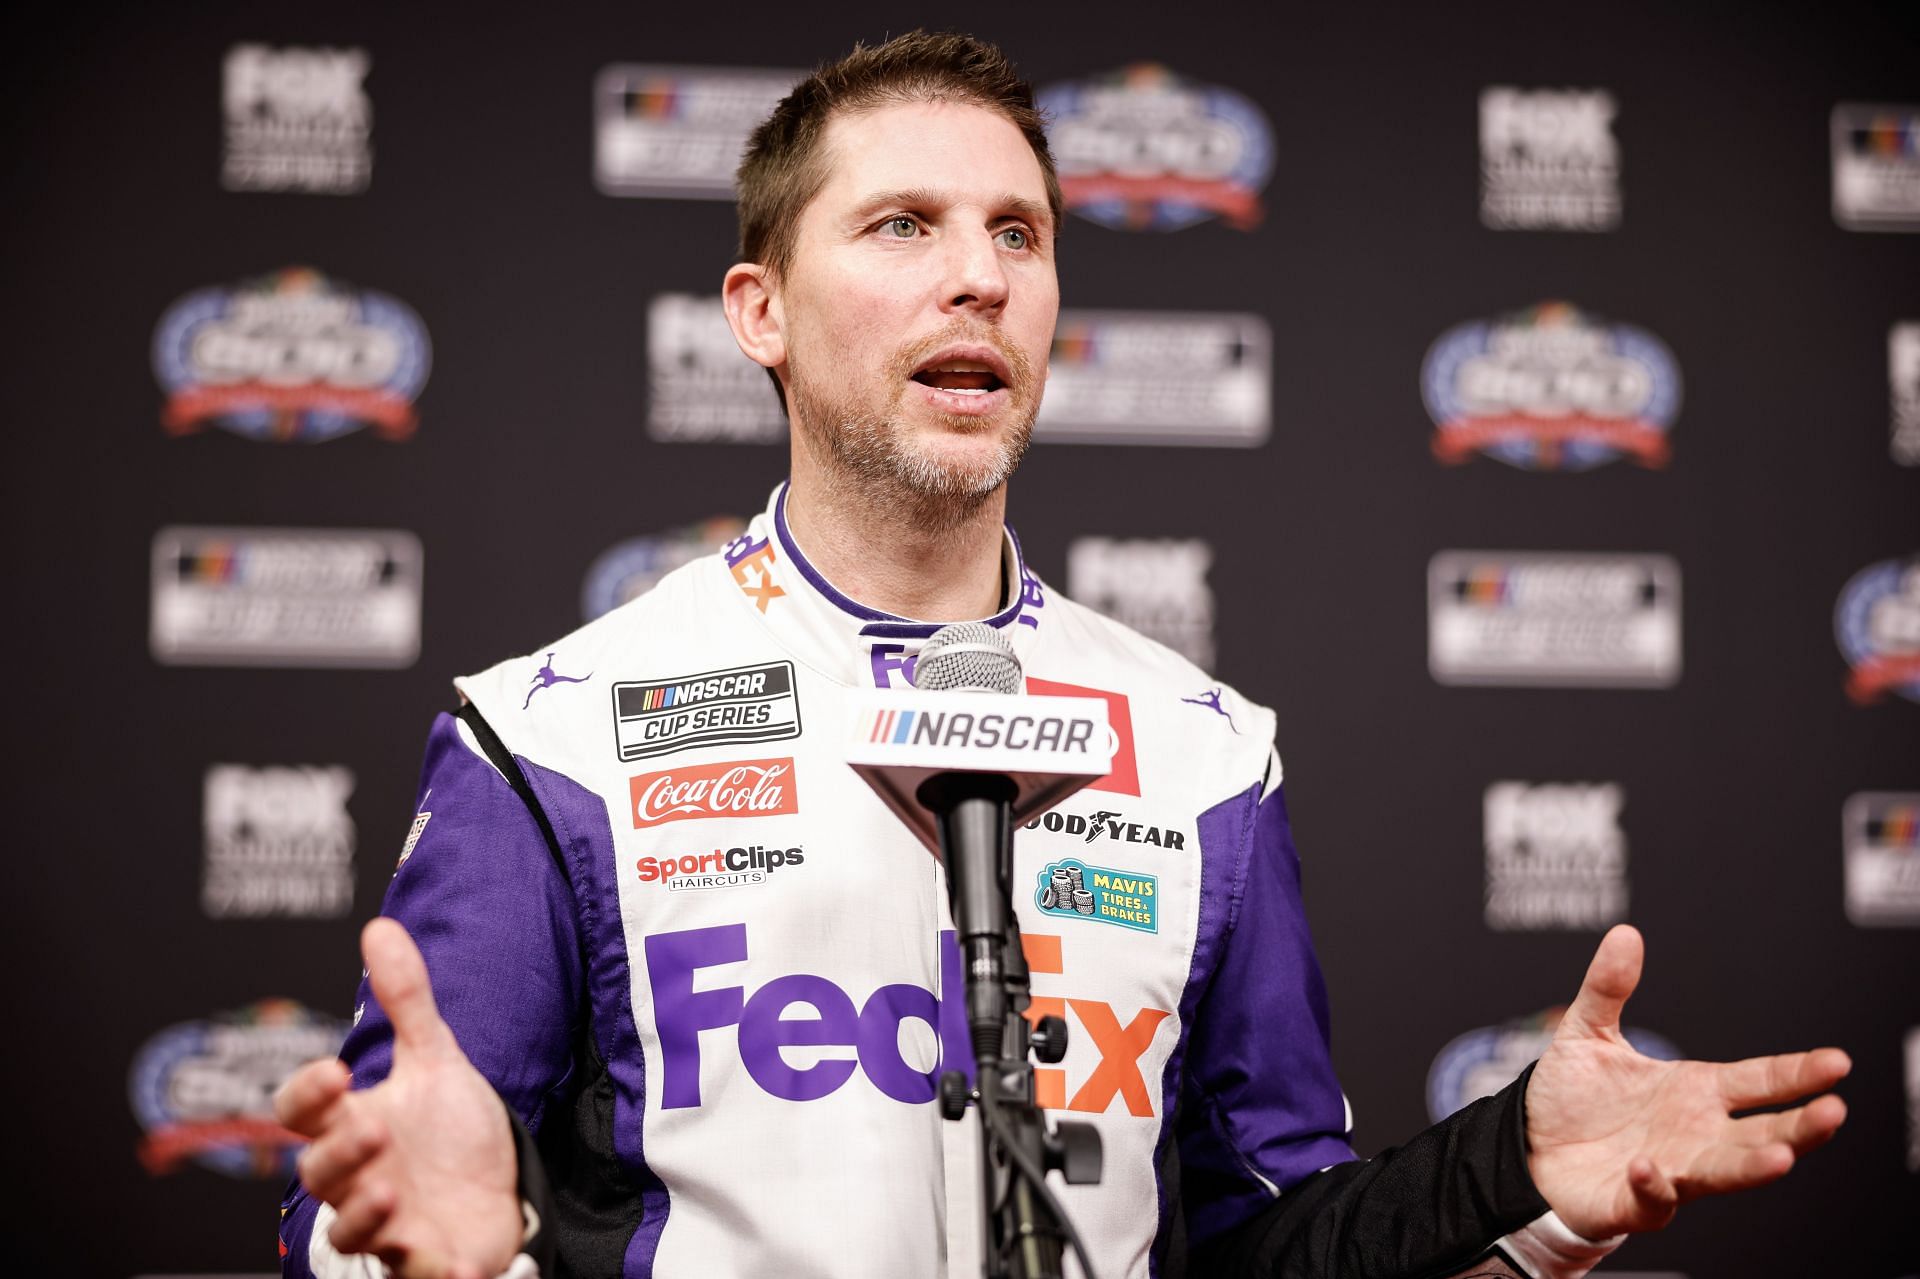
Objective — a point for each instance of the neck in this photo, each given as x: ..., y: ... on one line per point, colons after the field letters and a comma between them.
x: 930, y: 560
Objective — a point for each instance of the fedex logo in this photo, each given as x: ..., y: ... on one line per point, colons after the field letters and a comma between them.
x: 828, y: 1017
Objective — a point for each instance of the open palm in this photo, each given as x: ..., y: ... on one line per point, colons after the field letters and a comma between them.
x: 419, y: 1168
x: 1620, y: 1140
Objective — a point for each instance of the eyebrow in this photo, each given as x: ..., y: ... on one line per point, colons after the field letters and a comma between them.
x: 929, y: 197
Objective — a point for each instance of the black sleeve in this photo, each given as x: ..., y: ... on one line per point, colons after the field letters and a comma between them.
x: 535, y: 1198
x: 1416, y: 1211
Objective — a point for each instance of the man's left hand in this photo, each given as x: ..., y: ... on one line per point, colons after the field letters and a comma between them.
x: 1619, y: 1140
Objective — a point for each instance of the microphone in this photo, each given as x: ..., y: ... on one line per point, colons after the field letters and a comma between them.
x: 960, y: 758
x: 973, y: 815
x: 965, y: 714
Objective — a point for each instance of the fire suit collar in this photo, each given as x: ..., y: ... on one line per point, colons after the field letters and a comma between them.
x: 811, y: 613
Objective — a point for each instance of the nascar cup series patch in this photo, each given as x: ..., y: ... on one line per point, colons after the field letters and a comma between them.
x: 1099, y: 893
x: 1551, y: 388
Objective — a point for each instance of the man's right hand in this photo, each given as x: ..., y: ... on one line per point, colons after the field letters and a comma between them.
x: 420, y: 1167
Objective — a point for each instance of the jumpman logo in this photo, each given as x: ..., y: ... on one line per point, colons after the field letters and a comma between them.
x: 1211, y: 700
x: 547, y: 679
x: 1097, y: 824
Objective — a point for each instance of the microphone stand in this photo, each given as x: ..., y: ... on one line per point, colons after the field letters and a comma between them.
x: 1027, y: 1231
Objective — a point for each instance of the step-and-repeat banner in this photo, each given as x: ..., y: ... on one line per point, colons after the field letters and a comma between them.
x: 1526, y: 405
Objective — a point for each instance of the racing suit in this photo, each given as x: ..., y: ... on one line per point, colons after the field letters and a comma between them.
x: 715, y: 978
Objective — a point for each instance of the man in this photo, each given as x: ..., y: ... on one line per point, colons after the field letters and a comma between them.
x: 711, y: 977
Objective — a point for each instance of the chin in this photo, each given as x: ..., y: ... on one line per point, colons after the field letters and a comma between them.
x: 966, y: 472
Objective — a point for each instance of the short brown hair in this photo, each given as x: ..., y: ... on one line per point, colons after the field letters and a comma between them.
x: 782, y: 172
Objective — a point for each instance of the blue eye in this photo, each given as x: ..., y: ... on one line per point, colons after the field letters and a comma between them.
x: 1014, y: 237
x: 903, y: 227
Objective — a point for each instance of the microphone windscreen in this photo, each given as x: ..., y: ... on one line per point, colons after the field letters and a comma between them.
x: 967, y: 656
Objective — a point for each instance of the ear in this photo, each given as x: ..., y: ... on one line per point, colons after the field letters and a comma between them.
x: 754, y: 314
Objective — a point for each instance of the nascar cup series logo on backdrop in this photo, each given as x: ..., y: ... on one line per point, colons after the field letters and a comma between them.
x: 1481, y: 1062
x: 291, y: 356
x: 678, y: 131
x: 1877, y: 625
x: 1158, y: 377
x: 297, y: 120
x: 1551, y: 388
x: 1545, y: 620
x: 203, y: 1090
x: 1880, y: 838
x: 285, y: 597
x: 1876, y: 167
x: 1143, y: 149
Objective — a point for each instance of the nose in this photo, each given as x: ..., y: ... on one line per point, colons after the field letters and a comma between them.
x: 976, y: 279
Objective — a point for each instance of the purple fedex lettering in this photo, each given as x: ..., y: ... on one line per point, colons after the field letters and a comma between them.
x: 887, y: 662
x: 764, y: 1028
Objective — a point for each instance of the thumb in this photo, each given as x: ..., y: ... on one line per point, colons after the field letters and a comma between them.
x: 1610, y: 980
x: 399, y: 978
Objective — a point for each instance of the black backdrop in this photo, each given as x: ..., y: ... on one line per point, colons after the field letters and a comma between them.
x: 531, y: 458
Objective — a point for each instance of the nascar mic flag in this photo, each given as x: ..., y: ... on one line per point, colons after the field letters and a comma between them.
x: 1049, y: 747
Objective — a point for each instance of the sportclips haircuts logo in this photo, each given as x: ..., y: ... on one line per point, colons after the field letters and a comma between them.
x: 203, y: 1090
x: 1877, y: 625
x: 1143, y: 149
x: 902, y: 1035
x: 291, y: 356
x: 746, y: 788
x: 721, y: 868
x: 1551, y: 389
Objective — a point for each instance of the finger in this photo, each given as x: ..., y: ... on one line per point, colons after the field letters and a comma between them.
x: 361, y: 1217
x: 1610, y: 979
x: 1726, y: 1168
x: 417, y: 1262
x: 328, y: 1166
x: 1768, y: 1081
x: 1653, y: 1192
x: 1801, y: 1129
x: 399, y: 978
x: 309, y: 1098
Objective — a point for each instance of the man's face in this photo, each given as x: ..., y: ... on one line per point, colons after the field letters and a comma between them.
x: 921, y: 299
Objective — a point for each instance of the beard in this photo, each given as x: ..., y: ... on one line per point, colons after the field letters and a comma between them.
x: 873, y: 450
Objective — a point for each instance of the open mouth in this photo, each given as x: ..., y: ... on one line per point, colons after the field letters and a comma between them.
x: 961, y: 375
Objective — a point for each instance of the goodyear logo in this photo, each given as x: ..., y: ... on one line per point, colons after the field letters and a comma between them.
x: 1099, y: 893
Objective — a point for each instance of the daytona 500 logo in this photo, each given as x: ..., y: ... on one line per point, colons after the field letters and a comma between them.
x: 291, y: 356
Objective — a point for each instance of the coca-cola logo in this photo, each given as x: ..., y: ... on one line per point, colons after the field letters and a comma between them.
x: 737, y: 788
